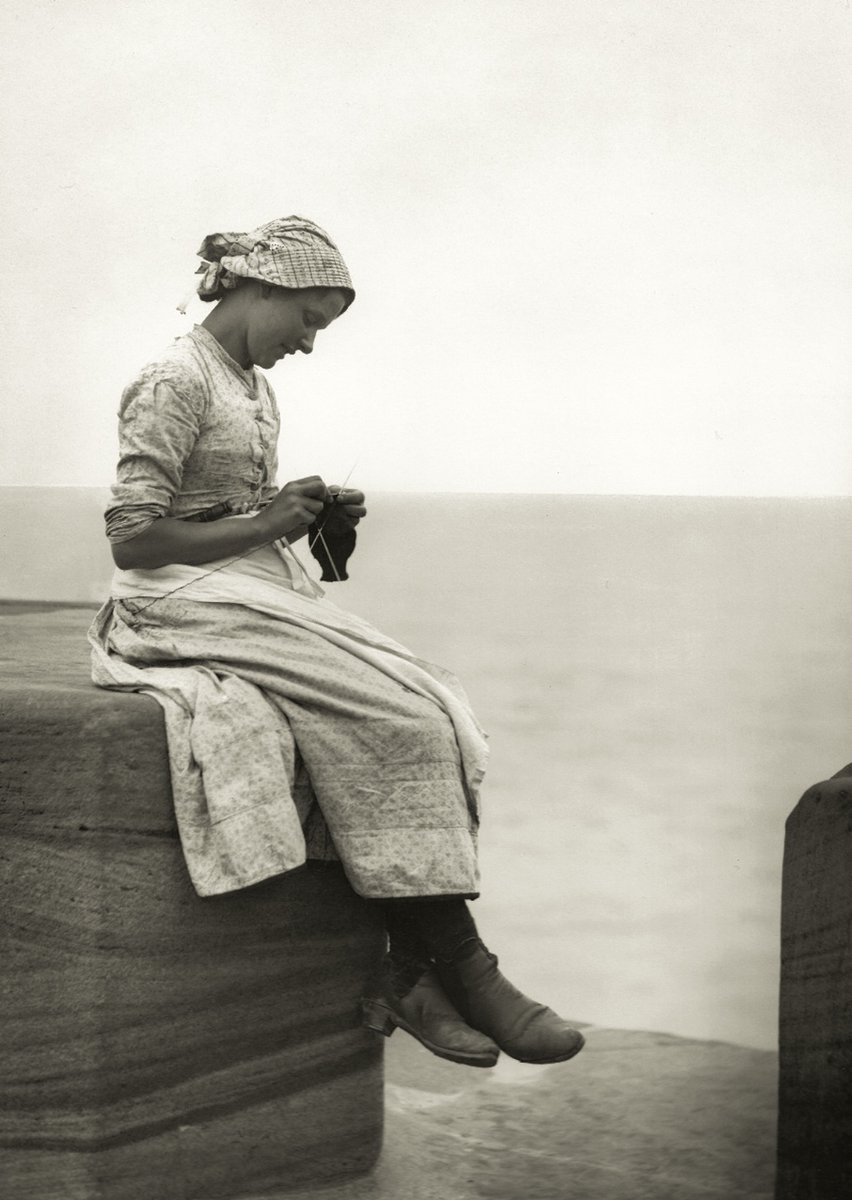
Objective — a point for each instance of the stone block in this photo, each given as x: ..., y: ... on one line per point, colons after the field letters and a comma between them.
x: 154, y: 1045
x: 815, y: 1084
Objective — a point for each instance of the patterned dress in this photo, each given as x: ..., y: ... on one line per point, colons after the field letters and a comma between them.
x: 279, y: 706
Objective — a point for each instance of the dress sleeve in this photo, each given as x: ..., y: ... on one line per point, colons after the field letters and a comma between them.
x: 159, y: 423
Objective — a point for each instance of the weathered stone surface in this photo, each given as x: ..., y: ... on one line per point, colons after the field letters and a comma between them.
x: 815, y: 1090
x: 153, y: 1044
x: 636, y: 1116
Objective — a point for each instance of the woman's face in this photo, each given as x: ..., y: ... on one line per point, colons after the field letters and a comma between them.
x: 282, y: 321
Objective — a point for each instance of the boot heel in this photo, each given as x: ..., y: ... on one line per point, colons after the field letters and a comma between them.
x: 376, y: 1017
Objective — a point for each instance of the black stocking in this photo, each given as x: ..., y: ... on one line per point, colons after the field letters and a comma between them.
x: 421, y: 929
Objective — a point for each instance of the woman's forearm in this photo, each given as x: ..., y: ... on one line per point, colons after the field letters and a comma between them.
x: 169, y: 540
x: 288, y: 514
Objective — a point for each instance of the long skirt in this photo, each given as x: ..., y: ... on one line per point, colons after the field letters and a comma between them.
x: 246, y: 695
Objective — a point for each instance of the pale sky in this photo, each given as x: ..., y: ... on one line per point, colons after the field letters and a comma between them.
x: 598, y: 247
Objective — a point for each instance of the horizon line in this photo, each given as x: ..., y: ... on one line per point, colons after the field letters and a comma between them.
x: 599, y: 495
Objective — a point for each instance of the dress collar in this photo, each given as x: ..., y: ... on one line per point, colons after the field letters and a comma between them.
x: 206, y: 339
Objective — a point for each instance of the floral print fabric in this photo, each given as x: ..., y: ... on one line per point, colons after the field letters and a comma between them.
x: 382, y: 759
x: 195, y: 429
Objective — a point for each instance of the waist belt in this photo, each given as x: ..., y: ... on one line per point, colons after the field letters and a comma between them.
x: 213, y: 514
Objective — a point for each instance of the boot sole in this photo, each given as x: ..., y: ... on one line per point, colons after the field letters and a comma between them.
x: 544, y: 1061
x: 380, y: 1019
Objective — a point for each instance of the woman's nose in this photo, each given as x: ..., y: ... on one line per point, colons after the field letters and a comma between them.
x: 306, y: 342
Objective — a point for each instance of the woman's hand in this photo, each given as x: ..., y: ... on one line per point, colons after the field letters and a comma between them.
x: 347, y: 508
x: 296, y: 506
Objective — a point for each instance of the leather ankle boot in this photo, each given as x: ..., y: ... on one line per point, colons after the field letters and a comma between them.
x: 425, y: 1012
x: 483, y: 996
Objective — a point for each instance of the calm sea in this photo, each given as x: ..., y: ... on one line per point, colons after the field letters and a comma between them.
x: 661, y: 679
